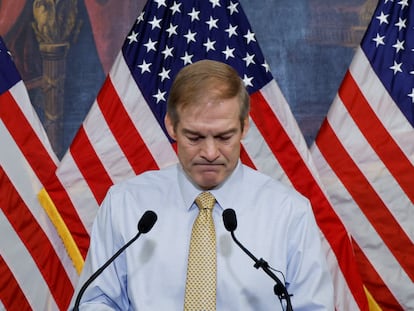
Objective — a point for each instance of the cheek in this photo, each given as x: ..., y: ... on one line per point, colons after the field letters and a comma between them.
x: 231, y: 151
x: 186, y: 151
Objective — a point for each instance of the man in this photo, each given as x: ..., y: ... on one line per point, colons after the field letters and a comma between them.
x: 207, y: 115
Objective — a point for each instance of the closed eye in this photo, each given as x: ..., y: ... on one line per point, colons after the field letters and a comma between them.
x: 224, y: 137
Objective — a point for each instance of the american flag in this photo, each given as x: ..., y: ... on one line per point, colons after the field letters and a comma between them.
x: 35, y: 270
x: 124, y: 135
x: 364, y: 153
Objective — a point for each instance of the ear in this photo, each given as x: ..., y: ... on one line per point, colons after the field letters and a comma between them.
x: 169, y: 126
x: 246, y: 126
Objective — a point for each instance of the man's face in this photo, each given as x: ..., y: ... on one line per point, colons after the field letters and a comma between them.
x: 208, y: 139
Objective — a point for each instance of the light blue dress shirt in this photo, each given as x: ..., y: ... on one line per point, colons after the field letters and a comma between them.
x: 274, y: 222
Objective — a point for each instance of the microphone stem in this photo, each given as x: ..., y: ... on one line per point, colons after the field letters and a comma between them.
x: 99, y: 271
x: 279, y: 289
x: 243, y: 248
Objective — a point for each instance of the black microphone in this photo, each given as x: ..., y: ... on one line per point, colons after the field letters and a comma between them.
x: 230, y: 223
x: 145, y: 224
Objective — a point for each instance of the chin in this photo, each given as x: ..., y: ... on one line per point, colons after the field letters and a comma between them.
x: 208, y: 185
x: 208, y: 180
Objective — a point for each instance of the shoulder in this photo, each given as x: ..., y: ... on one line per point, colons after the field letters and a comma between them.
x: 266, y: 183
x: 149, y: 181
x: 268, y: 189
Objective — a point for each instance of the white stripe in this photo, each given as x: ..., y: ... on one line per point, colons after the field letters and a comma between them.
x: 28, y: 186
x: 24, y: 269
x: 261, y: 155
x: 106, y: 147
x: 275, y: 99
x: 277, y: 102
x: 374, y: 170
x: 382, y: 104
x: 344, y: 300
x: 78, y: 190
x: 21, y: 97
x: 365, y: 235
x: 141, y: 115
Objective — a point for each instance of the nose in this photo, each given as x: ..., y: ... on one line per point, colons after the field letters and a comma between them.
x: 210, y: 150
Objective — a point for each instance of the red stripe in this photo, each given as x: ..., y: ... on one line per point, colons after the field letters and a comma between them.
x: 367, y: 199
x: 302, y: 179
x: 11, y: 295
x: 68, y: 213
x: 90, y: 165
x: 25, y: 138
x: 374, y: 283
x: 124, y: 130
x: 36, y: 242
x: 376, y: 134
x: 245, y: 158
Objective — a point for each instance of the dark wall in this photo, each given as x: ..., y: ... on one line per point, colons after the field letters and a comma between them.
x: 308, y: 45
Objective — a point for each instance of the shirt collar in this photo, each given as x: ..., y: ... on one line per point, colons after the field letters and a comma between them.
x: 224, y: 193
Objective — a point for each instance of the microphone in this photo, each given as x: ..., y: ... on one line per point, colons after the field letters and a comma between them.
x: 145, y: 224
x: 230, y: 223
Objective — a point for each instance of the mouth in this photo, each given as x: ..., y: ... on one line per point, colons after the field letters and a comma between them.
x: 209, y: 168
x: 208, y: 165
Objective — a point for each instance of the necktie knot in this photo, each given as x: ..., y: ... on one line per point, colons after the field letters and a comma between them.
x: 205, y: 200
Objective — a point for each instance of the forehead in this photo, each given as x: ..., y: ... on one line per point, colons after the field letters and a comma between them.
x: 210, y: 108
x: 221, y: 114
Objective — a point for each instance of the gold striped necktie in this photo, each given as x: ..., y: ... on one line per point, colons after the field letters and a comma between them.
x: 200, y: 292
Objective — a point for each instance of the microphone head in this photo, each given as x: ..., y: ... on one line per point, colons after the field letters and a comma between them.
x: 229, y: 219
x: 147, y: 221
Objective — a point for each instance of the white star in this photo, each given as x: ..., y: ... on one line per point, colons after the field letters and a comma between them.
x: 233, y: 8
x: 160, y: 3
x: 212, y: 23
x: 145, y: 67
x: 132, y: 37
x: 155, y: 23
x: 190, y: 36
x: 228, y: 52
x: 231, y: 30
x: 249, y: 36
x: 150, y: 45
x: 140, y: 18
x: 396, y: 67
x: 160, y: 96
x: 401, y: 23
x: 215, y: 3
x: 194, y: 15
x: 399, y: 45
x: 379, y: 40
x: 209, y: 45
x: 249, y: 59
x: 403, y: 3
x: 172, y: 30
x: 167, y: 51
x: 164, y: 74
x: 411, y: 95
x: 187, y: 58
x: 175, y: 8
x: 266, y: 66
x: 383, y: 18
x: 247, y: 81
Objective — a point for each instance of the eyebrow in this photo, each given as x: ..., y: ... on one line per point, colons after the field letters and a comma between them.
x: 224, y: 133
